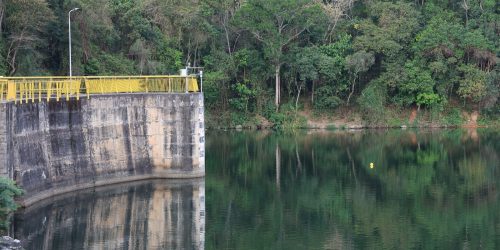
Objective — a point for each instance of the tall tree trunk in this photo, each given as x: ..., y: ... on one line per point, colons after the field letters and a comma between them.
x: 224, y: 25
x: 352, y: 91
x: 312, y: 92
x: 277, y: 97
x: 466, y: 17
x: 299, y: 88
x: 11, y: 57
x: 2, y: 11
x: 466, y: 7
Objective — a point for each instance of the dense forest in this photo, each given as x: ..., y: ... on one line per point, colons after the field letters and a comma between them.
x: 270, y: 58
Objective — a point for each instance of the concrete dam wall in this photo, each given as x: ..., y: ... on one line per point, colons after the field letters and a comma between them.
x: 55, y: 147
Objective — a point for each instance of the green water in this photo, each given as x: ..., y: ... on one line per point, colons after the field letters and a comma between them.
x: 428, y: 189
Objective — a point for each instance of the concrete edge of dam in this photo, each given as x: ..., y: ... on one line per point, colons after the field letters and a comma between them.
x: 51, y: 148
x: 55, y: 193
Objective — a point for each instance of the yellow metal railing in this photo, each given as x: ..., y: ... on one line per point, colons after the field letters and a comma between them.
x: 31, y: 89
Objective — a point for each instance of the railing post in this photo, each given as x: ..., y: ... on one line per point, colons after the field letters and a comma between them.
x: 11, y: 91
x: 39, y: 91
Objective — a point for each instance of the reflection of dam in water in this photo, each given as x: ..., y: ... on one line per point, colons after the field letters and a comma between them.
x: 154, y: 214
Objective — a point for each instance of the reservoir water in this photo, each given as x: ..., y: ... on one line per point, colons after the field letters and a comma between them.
x: 367, y: 189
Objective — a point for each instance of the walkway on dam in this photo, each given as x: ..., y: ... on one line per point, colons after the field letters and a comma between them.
x: 32, y: 89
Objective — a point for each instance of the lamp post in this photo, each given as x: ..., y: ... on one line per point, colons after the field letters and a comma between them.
x: 201, y: 81
x: 69, y: 31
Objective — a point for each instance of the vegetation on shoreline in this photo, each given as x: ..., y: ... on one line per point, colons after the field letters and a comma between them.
x: 8, y: 191
x: 352, y: 119
x: 275, y: 59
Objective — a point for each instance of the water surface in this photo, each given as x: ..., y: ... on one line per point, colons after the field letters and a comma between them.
x: 155, y: 214
x: 428, y: 189
x: 432, y: 189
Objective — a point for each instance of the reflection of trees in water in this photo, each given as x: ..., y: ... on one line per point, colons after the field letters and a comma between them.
x: 429, y: 189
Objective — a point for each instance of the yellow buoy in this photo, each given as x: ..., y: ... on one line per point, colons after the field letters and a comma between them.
x: 371, y: 165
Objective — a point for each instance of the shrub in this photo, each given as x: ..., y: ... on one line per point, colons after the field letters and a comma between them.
x: 372, y: 102
x: 8, y: 190
x: 243, y: 94
x: 428, y: 99
x: 326, y: 98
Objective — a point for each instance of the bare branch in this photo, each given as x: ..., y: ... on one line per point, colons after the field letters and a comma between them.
x: 295, y: 36
x: 257, y: 36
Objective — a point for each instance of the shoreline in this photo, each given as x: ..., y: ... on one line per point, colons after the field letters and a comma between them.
x: 340, y: 121
x: 350, y: 127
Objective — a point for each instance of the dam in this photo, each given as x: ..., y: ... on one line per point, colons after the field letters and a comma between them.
x: 60, y: 134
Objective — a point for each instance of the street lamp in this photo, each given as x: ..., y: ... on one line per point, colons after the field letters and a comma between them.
x: 69, y: 31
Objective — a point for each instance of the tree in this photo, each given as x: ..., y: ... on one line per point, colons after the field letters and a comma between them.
x: 331, y: 68
x: 181, y: 22
x: 393, y: 29
x: 448, y: 49
x: 303, y: 68
x: 357, y: 63
x: 26, y: 22
x: 416, y: 87
x: 473, y: 83
x: 222, y: 13
x: 335, y: 10
x: 277, y: 25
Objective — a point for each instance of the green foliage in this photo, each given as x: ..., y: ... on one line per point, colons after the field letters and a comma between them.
x: 211, y: 88
x: 425, y: 53
x: 390, y: 27
x: 359, y: 62
x: 331, y: 63
x: 8, y: 190
x: 3, y: 62
x: 418, y: 82
x: 108, y: 64
x: 453, y: 117
x: 25, y: 31
x: 238, y: 119
x: 441, y: 37
x: 427, y: 99
x: 448, y: 48
x: 326, y: 63
x: 171, y: 58
x: 243, y: 94
x: 92, y: 67
x: 473, y: 84
x: 285, y: 118
x: 326, y: 99
x: 292, y: 17
x: 372, y: 102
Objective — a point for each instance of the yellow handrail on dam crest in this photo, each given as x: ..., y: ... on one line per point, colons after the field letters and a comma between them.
x: 31, y: 89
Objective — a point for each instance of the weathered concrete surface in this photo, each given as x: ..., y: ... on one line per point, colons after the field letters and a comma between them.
x: 4, y: 139
x: 56, y: 147
x: 154, y: 214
